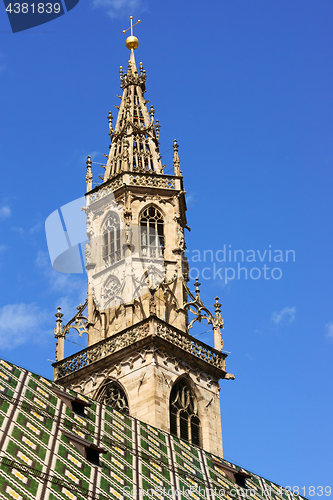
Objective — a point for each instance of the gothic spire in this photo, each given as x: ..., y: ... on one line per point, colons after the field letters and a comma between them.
x: 134, y: 140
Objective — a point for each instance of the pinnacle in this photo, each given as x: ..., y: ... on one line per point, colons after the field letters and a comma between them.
x: 135, y: 137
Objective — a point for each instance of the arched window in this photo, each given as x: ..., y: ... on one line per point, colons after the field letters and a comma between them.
x: 184, y: 420
x: 152, y: 233
x: 111, y: 239
x: 113, y: 395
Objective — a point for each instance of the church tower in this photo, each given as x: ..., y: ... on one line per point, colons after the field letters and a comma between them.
x: 140, y: 358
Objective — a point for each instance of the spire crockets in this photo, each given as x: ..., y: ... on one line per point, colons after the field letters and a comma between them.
x: 134, y: 140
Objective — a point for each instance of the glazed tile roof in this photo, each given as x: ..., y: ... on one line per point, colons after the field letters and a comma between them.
x: 48, y: 452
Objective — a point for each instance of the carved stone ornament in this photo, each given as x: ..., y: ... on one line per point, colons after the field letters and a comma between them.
x: 153, y: 197
x: 102, y: 349
x: 200, y: 312
x: 153, y: 277
x: 180, y: 238
x: 113, y: 395
x: 102, y: 192
x: 115, y: 370
x: 128, y: 233
x: 111, y: 288
x: 191, y: 345
x: 78, y: 322
x: 153, y: 181
x: 87, y: 253
x: 180, y: 364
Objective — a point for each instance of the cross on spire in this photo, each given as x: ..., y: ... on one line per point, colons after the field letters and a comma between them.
x: 132, y: 25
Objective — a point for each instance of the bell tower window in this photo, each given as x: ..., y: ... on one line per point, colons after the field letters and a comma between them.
x: 184, y: 420
x: 152, y: 233
x: 114, y: 396
x: 111, y: 239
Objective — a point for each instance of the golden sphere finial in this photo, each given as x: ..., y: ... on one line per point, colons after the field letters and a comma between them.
x: 132, y: 42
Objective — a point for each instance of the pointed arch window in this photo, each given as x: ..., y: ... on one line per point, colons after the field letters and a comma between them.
x: 113, y: 395
x: 111, y: 239
x: 152, y: 233
x: 184, y: 420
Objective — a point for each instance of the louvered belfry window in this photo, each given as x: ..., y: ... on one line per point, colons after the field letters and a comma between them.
x: 184, y: 420
x: 111, y: 239
x: 152, y: 233
x: 113, y: 395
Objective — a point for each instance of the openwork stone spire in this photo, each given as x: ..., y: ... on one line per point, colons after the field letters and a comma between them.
x: 134, y: 141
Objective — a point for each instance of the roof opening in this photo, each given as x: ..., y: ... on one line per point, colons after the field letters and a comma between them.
x: 240, y: 480
x: 236, y: 475
x: 92, y: 455
x: 78, y: 408
x: 87, y: 449
x: 76, y: 404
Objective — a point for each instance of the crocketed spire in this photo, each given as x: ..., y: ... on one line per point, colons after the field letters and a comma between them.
x: 134, y: 141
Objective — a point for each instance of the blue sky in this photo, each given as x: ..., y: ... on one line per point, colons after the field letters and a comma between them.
x: 245, y: 88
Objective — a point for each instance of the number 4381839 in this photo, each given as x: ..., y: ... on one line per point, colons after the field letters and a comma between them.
x: 38, y: 8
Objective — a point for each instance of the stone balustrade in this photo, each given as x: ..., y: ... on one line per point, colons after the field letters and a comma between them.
x: 135, y: 179
x: 131, y: 335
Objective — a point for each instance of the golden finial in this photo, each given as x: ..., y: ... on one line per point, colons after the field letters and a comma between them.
x: 132, y: 42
